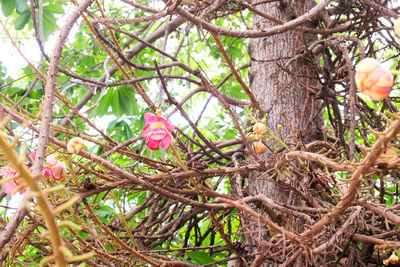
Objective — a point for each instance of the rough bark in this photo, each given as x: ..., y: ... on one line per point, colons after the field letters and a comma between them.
x: 280, y: 90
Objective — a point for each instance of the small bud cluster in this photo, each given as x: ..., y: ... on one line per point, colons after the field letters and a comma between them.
x: 256, y: 136
x: 393, y: 259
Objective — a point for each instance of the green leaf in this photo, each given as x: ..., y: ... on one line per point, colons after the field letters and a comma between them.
x: 11, y: 91
x: 7, y: 7
x: 116, y: 106
x: 105, y: 211
x: 54, y: 8
x: 237, y: 92
x: 127, y: 100
x: 105, y: 103
x: 200, y: 257
x: 127, y: 130
x: 21, y: 5
x: 49, y: 22
x: 235, y: 52
x: 215, y: 52
x: 22, y: 20
x: 139, y: 123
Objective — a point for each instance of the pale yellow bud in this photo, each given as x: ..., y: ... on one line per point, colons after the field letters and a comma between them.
x: 51, y: 159
x: 251, y: 137
x: 75, y: 145
x: 393, y: 259
x: 259, y: 128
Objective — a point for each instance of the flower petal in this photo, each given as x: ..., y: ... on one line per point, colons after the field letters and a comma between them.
x: 166, y: 141
x: 169, y: 125
x: 9, y: 187
x: 153, y: 144
x: 46, y: 172
x: 149, y: 117
x: 155, y: 134
x: 32, y: 155
x: 367, y: 65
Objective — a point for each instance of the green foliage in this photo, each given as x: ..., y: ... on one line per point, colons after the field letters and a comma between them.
x: 105, y: 213
x: 21, y: 5
x: 91, y: 65
x: 7, y: 7
x: 22, y: 20
x: 199, y: 257
x: 20, y: 13
x: 118, y: 101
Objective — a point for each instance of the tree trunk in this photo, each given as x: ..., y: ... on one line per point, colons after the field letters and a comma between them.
x: 282, y: 91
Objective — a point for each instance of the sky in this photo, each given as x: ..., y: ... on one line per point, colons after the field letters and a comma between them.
x: 10, y: 57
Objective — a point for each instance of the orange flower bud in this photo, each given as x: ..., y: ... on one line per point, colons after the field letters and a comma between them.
x: 373, y: 79
x: 259, y: 128
x: 75, y: 145
x: 396, y: 27
x: 259, y: 147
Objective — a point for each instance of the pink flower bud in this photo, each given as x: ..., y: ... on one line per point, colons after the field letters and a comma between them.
x: 373, y: 79
x: 75, y: 145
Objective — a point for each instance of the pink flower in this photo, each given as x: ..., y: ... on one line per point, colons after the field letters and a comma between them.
x: 58, y: 170
x: 10, y: 186
x: 373, y: 79
x: 46, y: 172
x: 54, y: 167
x: 157, y: 130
